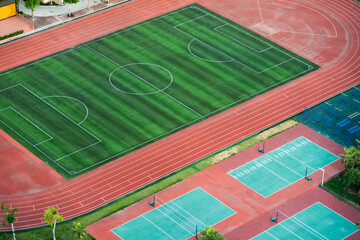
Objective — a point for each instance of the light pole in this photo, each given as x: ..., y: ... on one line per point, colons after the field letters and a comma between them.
x: 323, y: 173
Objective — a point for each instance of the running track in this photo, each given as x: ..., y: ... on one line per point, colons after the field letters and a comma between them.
x: 154, y: 161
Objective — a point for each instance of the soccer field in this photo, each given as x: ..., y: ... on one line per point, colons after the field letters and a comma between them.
x: 93, y: 103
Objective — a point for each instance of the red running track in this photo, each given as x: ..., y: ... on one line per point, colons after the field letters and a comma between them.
x: 334, y: 39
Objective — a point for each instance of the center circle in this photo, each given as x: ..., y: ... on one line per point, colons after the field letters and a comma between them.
x: 140, y: 78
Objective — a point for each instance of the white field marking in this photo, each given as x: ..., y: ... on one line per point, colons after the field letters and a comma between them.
x: 318, y: 12
x: 243, y: 64
x: 131, y: 93
x: 50, y: 158
x: 257, y: 38
x: 98, y: 140
x: 204, y: 59
x: 238, y: 29
x: 144, y: 80
x: 285, y: 166
x: 158, y: 227
x: 260, y: 12
x: 174, y: 220
x: 49, y: 136
x: 87, y: 110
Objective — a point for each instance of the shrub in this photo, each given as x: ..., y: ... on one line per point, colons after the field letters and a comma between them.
x: 11, y: 35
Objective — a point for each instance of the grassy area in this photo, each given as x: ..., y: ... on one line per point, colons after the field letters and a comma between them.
x: 64, y: 229
x: 337, y: 187
x: 91, y: 104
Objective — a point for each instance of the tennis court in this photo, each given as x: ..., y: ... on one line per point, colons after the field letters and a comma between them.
x: 283, y: 166
x: 315, y: 222
x: 177, y: 219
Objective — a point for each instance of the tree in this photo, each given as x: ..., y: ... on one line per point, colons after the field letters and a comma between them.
x: 9, y: 217
x: 358, y: 224
x: 31, y: 4
x: 351, y: 158
x: 70, y: 2
x: 78, y: 230
x: 52, y: 216
x: 351, y: 162
x: 209, y: 233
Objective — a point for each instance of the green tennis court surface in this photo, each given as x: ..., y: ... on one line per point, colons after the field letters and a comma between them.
x: 283, y: 166
x: 315, y: 222
x: 96, y: 102
x: 176, y: 219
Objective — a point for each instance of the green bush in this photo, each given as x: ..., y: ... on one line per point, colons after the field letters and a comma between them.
x: 11, y: 35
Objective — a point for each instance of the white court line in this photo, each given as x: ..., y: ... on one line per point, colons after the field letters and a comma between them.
x: 284, y: 165
x: 307, y: 226
x: 189, y: 213
x: 158, y: 209
x: 158, y: 227
x: 144, y: 80
x: 273, y: 172
x: 299, y: 160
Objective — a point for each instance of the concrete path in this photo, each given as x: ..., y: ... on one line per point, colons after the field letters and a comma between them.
x: 46, y: 11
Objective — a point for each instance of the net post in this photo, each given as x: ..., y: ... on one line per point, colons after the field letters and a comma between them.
x: 275, y: 219
x: 152, y: 203
x: 196, y: 232
x: 262, y: 150
x: 306, y: 177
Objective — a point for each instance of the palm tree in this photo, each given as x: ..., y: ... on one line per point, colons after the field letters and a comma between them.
x: 9, y: 217
x: 209, y: 233
x: 52, y: 216
x: 352, y: 157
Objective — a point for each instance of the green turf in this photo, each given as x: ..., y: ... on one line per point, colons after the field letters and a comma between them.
x: 108, y: 97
